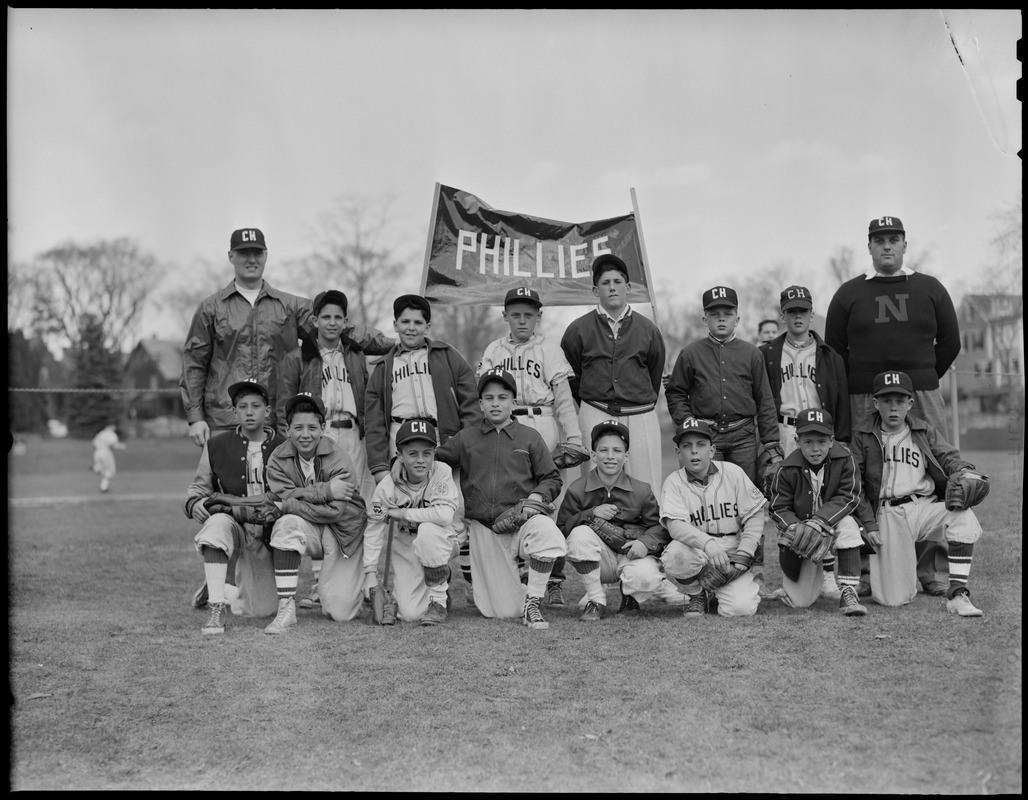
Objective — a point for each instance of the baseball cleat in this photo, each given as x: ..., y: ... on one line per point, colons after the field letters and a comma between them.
x: 696, y: 606
x: 593, y: 612
x: 310, y: 601
x: 436, y: 615
x: 286, y: 617
x: 200, y: 596
x: 935, y: 588
x: 554, y: 593
x: 864, y: 589
x: 829, y: 587
x: 628, y: 602
x: 214, y: 624
x: 532, y: 616
x: 849, y: 604
x: 105, y: 484
x: 961, y: 605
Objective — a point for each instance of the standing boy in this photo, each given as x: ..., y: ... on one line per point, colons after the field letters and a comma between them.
x: 501, y: 464
x: 618, y: 360
x: 905, y: 466
x: 323, y: 516
x: 625, y: 549
x: 417, y: 500
x: 814, y: 496
x: 328, y: 365
x: 714, y: 514
x: 541, y: 372
x: 104, y: 445
x: 417, y: 379
x: 234, y: 551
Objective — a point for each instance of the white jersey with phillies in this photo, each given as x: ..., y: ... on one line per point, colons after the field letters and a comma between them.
x: 535, y: 365
x: 718, y: 508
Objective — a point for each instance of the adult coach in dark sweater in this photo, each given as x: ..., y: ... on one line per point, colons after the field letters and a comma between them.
x: 892, y: 318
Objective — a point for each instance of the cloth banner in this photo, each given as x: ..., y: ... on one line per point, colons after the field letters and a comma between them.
x: 476, y: 254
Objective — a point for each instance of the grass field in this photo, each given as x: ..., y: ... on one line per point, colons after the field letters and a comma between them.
x: 114, y: 688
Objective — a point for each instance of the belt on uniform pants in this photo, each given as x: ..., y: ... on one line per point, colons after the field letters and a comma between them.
x: 401, y: 420
x: 722, y: 535
x: 727, y: 426
x: 787, y: 420
x: 619, y: 410
x: 532, y: 411
x: 341, y: 423
x: 899, y: 501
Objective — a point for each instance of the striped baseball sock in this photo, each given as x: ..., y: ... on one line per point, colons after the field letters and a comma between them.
x: 539, y: 570
x: 849, y: 567
x: 287, y: 571
x: 215, y: 570
x: 959, y: 566
x: 437, y: 580
x: 590, y: 574
x: 464, y: 559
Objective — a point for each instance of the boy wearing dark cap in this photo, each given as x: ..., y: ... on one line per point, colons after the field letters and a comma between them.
x: 541, y: 372
x: 416, y: 504
x: 609, y: 493
x: 714, y: 514
x: 904, y: 465
x: 237, y: 565
x: 502, y: 462
x: 617, y: 356
x: 818, y: 484
x: 419, y: 378
x: 323, y: 516
x: 330, y: 364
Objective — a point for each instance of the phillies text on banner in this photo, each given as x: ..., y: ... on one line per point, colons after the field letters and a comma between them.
x: 477, y: 253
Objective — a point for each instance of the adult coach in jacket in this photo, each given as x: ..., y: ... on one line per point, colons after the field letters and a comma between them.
x: 892, y: 318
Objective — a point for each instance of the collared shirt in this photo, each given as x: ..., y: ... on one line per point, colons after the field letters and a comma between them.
x: 711, y: 470
x: 872, y: 273
x: 614, y: 322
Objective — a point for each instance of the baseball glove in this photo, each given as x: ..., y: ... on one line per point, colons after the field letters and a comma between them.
x: 769, y: 461
x: 570, y: 454
x: 713, y: 577
x: 259, y: 509
x: 517, y: 515
x: 614, y: 535
x: 810, y: 539
x: 966, y: 490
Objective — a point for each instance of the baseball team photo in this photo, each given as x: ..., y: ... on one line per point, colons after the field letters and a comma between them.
x: 663, y: 469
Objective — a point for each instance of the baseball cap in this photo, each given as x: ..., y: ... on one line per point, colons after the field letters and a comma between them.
x: 292, y: 402
x: 497, y: 374
x: 237, y: 389
x: 523, y: 294
x: 720, y: 296
x: 412, y: 301
x: 893, y: 383
x: 245, y: 238
x: 608, y: 261
x: 885, y: 225
x: 815, y: 419
x: 693, y: 425
x: 608, y: 426
x: 333, y: 296
x: 416, y: 429
x: 796, y: 297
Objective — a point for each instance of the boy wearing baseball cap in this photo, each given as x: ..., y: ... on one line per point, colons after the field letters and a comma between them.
x: 818, y: 487
x: 609, y: 494
x: 544, y: 401
x: 714, y: 514
x: 905, y: 465
x: 236, y: 563
x: 415, y: 504
x: 323, y: 516
x: 501, y: 463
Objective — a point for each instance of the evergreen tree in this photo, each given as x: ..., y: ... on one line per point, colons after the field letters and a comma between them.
x: 96, y: 367
x: 26, y: 411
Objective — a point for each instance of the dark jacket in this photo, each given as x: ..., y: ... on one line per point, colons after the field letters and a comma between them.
x: 792, y: 494
x: 942, y: 457
x: 830, y: 379
x: 456, y: 399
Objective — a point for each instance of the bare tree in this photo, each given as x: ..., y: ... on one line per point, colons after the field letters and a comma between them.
x: 357, y: 252
x: 840, y: 265
x: 109, y: 280
x: 1004, y: 276
x: 467, y: 328
x: 21, y: 296
x: 184, y: 289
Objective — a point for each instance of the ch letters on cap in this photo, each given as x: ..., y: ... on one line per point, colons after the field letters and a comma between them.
x: 815, y: 416
x: 249, y: 236
x: 418, y: 426
x: 892, y: 378
x: 882, y: 221
x: 795, y: 293
x: 720, y: 291
x: 524, y: 291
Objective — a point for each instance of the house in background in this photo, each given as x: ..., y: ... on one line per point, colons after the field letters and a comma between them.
x: 154, y: 368
x: 989, y: 370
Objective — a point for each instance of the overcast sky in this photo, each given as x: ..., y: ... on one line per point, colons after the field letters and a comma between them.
x: 752, y: 138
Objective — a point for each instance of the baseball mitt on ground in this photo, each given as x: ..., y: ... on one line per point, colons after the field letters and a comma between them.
x: 518, y: 514
x: 570, y: 454
x: 966, y: 490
